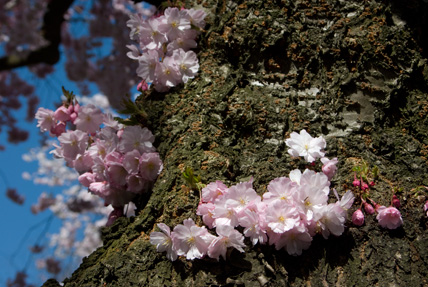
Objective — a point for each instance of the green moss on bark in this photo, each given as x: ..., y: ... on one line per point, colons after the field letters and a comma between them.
x: 346, y: 69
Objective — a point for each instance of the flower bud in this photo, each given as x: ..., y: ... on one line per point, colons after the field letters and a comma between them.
x: 142, y: 86
x: 356, y: 182
x: 58, y: 129
x: 73, y: 116
x: 364, y: 186
x: 115, y: 214
x: 372, y: 183
x: 368, y: 208
x: 396, y: 201
x: 76, y: 107
x: 62, y: 114
x: 71, y: 109
x: 358, y: 217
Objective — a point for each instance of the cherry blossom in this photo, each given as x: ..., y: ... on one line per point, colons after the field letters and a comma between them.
x: 306, y: 146
x: 389, y: 217
x: 163, y: 241
x: 329, y: 167
x: 292, y: 211
x: 191, y: 240
x: 227, y: 237
x: 358, y: 217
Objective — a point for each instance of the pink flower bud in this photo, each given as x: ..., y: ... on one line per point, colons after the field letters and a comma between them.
x: 364, y: 186
x: 62, y: 114
x: 58, y: 129
x: 73, y: 116
x: 396, y: 201
x: 368, y: 208
x: 372, y: 183
x: 71, y: 109
x: 358, y: 217
x: 356, y: 182
x: 115, y: 214
x: 142, y: 86
x: 76, y: 107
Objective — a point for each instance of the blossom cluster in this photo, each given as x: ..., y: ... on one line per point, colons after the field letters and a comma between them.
x: 164, y: 56
x: 387, y: 217
x: 288, y: 215
x: 115, y: 162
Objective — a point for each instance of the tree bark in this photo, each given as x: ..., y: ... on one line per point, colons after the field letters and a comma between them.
x: 349, y: 70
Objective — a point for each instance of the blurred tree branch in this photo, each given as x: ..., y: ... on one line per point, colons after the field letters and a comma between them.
x: 51, y: 31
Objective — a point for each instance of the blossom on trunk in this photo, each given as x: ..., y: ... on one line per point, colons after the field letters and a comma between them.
x: 191, y: 240
x: 163, y: 241
x: 389, y: 217
x: 306, y: 146
x: 227, y: 237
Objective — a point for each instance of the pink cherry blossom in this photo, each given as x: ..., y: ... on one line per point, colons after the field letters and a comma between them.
x: 389, y: 217
x: 136, y: 183
x: 131, y: 161
x: 306, y: 146
x: 213, y: 191
x: 294, y: 241
x: 183, y: 43
x: 167, y: 74
x: 227, y: 237
x: 254, y: 226
x: 163, y: 241
x: 89, y: 119
x: 281, y: 188
x: 191, y: 240
x: 45, y: 119
x: 197, y: 17
x: 205, y: 210
x: 136, y: 137
x: 151, y: 37
x: 175, y: 22
x: 224, y: 213
x: 150, y: 166
x: 238, y: 196
x: 147, y: 65
x: 329, y: 167
x: 73, y: 143
x: 281, y: 217
x: 330, y: 219
x: 187, y: 63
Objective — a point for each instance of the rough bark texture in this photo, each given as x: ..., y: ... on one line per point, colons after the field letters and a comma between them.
x: 349, y: 70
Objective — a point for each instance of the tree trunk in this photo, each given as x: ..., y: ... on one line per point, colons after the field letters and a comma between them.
x: 351, y: 71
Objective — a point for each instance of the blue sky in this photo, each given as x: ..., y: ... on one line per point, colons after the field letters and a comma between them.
x: 24, y: 229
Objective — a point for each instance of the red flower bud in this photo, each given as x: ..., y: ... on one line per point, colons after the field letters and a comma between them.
x: 368, y: 208
x: 358, y: 217
x: 396, y: 201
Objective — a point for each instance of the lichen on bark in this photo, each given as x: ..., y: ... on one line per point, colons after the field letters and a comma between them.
x: 348, y: 70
